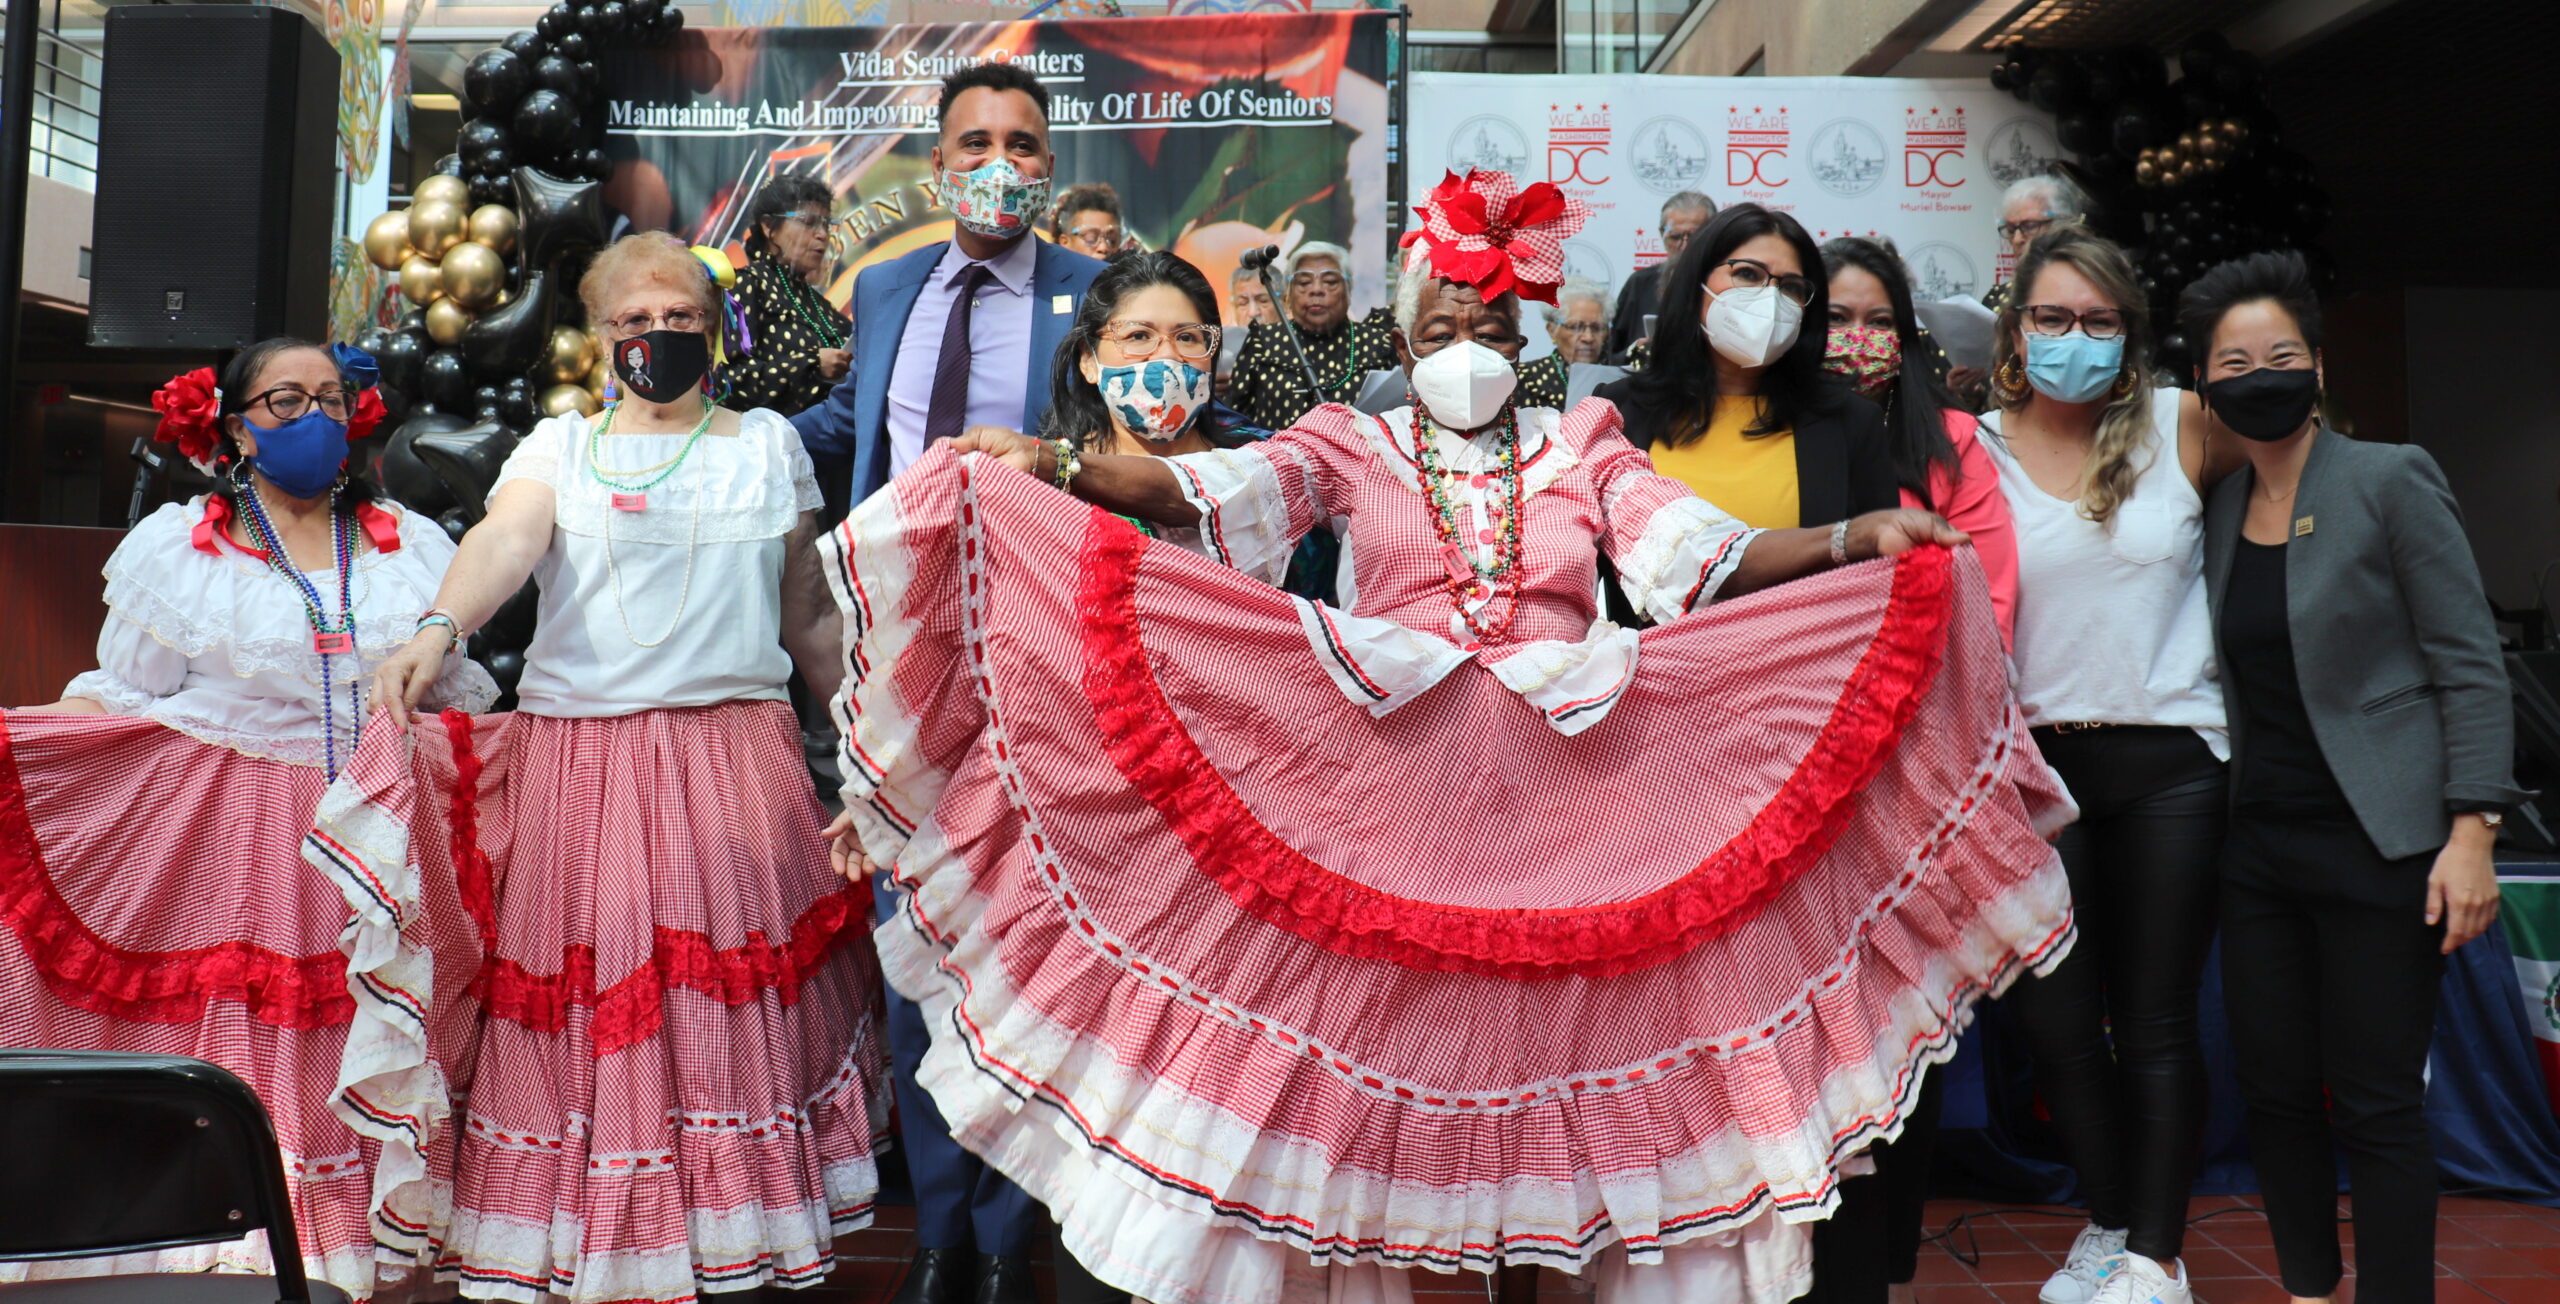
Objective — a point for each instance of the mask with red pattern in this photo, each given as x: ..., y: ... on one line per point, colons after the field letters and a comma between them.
x: 1871, y: 358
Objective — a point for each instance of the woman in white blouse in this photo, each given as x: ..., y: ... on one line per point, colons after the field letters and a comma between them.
x: 676, y: 1078
x: 150, y: 875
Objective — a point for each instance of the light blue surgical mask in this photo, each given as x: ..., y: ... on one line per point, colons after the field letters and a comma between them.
x: 2073, y: 368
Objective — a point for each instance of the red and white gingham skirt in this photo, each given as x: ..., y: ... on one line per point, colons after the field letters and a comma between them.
x: 614, y: 1011
x: 152, y: 899
x: 1239, y: 980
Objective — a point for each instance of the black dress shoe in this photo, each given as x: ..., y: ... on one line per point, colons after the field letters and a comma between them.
x: 937, y: 1277
x: 1004, y: 1279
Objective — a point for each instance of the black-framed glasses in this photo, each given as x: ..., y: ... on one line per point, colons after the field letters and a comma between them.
x: 2031, y: 228
x: 1139, y: 340
x: 2054, y: 319
x: 632, y: 324
x: 291, y: 402
x: 1751, y: 274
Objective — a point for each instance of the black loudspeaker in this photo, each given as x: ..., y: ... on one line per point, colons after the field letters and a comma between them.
x: 217, y: 144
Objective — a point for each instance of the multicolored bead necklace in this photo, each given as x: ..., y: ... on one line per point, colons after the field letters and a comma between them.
x: 1468, y: 579
x: 606, y: 476
x: 328, y: 638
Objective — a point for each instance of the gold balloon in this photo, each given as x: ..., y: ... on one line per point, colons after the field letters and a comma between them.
x: 435, y: 226
x: 2189, y: 169
x: 2146, y: 173
x: 561, y: 400
x: 386, y: 241
x: 2234, y: 130
x: 442, y: 189
x: 2187, y: 142
x: 599, y: 377
x: 446, y: 320
x: 474, y: 274
x: 421, y: 280
x: 494, y: 225
x: 572, y: 352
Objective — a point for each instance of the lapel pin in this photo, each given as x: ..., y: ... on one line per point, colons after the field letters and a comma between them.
x: 2302, y: 527
x: 1061, y: 304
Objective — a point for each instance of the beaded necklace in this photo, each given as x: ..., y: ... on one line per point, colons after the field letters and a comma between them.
x: 1469, y: 580
x: 797, y: 293
x: 632, y: 497
x: 327, y: 638
x: 693, y: 542
x: 1351, y: 363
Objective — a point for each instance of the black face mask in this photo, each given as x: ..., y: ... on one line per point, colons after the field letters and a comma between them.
x: 662, y: 366
x: 2265, y: 405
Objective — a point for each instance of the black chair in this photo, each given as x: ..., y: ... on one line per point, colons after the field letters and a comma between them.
x: 104, y: 1153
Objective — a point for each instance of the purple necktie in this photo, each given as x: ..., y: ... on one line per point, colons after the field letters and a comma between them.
x: 948, y: 413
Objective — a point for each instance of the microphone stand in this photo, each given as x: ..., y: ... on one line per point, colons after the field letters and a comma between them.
x: 1289, y: 325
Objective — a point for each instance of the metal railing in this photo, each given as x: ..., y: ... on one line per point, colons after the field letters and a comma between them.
x: 65, y: 123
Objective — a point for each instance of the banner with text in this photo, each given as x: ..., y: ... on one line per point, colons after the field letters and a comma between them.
x: 1923, y: 162
x: 1221, y: 134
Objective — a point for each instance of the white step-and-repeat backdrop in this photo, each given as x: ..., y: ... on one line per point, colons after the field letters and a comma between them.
x: 1921, y: 161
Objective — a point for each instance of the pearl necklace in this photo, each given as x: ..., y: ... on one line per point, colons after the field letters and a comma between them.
x: 613, y: 568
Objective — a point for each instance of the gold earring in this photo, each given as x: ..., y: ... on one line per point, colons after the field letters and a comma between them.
x: 2124, y: 383
x: 2010, y: 380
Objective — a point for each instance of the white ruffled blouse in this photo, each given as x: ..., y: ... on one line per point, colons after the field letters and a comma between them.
x: 218, y: 645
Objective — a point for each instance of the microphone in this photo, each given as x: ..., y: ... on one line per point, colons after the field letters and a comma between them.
x: 1255, y: 260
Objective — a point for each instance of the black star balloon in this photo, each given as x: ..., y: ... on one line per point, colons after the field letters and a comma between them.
x: 509, y: 341
x: 404, y: 476
x: 467, y: 460
x: 560, y: 216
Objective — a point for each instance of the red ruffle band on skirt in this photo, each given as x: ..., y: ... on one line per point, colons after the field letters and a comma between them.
x: 1236, y: 978
x: 152, y: 900
x: 614, y: 1017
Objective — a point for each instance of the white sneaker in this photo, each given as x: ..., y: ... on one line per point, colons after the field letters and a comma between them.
x: 2137, y: 1280
x: 2095, y: 1253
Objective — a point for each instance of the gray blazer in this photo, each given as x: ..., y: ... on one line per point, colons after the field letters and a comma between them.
x: 2392, y: 639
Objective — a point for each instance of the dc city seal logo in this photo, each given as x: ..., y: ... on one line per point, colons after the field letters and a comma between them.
x: 2021, y: 148
x: 1584, y: 259
x: 1848, y: 157
x: 1488, y: 141
x: 1940, y: 271
x: 1669, y: 156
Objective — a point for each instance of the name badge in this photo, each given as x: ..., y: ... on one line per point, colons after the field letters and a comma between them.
x: 1061, y: 304
x: 328, y: 644
x: 630, y: 502
x: 2302, y: 527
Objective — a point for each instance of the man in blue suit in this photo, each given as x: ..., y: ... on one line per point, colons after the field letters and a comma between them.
x: 955, y: 335
x: 929, y: 360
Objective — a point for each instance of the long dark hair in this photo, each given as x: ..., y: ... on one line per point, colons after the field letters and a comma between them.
x: 238, y: 375
x: 1915, y: 409
x: 1076, y: 410
x: 1674, y: 397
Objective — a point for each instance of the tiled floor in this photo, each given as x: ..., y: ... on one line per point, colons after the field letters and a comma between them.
x: 2487, y: 1252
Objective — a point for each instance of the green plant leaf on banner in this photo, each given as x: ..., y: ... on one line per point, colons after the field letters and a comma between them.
x: 1264, y: 175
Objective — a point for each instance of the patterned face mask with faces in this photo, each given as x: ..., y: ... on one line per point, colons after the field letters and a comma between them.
x: 995, y: 200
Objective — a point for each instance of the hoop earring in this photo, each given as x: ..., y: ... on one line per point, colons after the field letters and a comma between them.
x: 2124, y: 383
x: 2009, y: 380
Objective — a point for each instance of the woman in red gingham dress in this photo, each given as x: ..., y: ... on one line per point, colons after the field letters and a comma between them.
x: 1280, y: 948
x: 152, y: 894
x: 602, y: 964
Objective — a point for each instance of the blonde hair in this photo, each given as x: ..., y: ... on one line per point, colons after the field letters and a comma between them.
x: 649, y: 255
x: 2124, y: 426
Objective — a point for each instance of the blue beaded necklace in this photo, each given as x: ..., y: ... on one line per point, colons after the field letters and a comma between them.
x: 327, y: 637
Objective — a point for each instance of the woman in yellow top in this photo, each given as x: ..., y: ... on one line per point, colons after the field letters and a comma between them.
x: 1737, y: 405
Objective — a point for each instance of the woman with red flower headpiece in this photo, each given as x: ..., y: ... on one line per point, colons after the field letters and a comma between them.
x: 1280, y: 948
x: 151, y: 878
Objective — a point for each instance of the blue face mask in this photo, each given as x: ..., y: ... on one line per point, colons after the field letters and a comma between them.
x: 302, y: 457
x: 2072, y: 368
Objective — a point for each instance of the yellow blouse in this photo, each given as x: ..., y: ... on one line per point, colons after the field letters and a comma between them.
x: 1754, y: 479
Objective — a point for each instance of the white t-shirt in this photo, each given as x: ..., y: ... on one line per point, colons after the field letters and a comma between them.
x: 678, y: 603
x: 217, y: 645
x: 2112, y: 626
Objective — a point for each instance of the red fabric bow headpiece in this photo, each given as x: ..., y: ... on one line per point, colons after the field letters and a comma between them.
x: 190, y: 408
x: 1484, y: 230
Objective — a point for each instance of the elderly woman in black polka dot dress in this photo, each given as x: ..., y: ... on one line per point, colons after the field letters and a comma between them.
x: 1269, y: 385
x: 803, y: 344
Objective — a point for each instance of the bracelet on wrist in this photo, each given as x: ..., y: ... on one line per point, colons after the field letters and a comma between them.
x: 1068, y: 463
x: 453, y: 628
x: 1840, y: 544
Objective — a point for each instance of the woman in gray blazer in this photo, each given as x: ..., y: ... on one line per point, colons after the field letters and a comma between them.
x: 2371, y: 745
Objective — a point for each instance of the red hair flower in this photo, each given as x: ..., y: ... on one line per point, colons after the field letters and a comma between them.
x: 190, y: 408
x: 1485, y: 230
x: 366, y: 414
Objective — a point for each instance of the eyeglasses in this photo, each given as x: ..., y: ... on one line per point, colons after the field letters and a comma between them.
x: 1581, y: 328
x: 1675, y: 241
x: 2054, y: 319
x: 632, y: 324
x: 287, y: 402
x: 813, y: 221
x: 1137, y: 340
x: 2031, y: 228
x: 1751, y: 274
x: 1329, y: 280
x: 1097, y: 237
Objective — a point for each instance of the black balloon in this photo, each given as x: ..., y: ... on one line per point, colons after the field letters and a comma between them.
x: 666, y: 24
x: 448, y: 166
x: 2081, y: 133
x: 2236, y: 74
x: 591, y: 20
x: 495, y: 80
x: 555, y: 23
x: 516, y: 403
x: 509, y: 340
x: 547, y: 120
x: 467, y: 459
x: 556, y: 72
x: 512, y: 626
x: 525, y: 46
x: 575, y: 47
x: 557, y: 215
x: 2198, y: 99
x: 404, y: 476
x: 2138, y: 126
x: 2000, y: 76
x: 445, y: 382
x: 643, y: 11
x: 596, y: 164
x: 2202, y: 50
x: 2106, y: 83
x: 484, y: 398
x: 506, y: 667
x: 455, y: 525
x: 481, y: 135
x: 414, y: 322
x: 591, y: 91
x: 612, y: 17
x: 2055, y: 88
x: 499, y: 163
x: 491, y: 190
x: 399, y: 356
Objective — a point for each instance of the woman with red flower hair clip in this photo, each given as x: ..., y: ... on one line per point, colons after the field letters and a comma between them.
x: 153, y: 895
x: 1281, y: 948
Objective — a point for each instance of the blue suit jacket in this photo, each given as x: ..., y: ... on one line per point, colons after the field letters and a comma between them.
x: 850, y: 431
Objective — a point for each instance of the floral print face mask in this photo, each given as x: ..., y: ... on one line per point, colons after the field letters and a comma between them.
x: 1155, y: 399
x: 995, y: 200
x: 1870, y: 357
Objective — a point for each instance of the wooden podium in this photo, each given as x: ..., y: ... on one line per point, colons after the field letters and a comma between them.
x: 52, y: 601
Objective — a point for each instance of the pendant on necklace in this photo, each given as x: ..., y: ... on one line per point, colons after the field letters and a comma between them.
x: 1454, y: 560
x: 630, y: 502
x: 327, y: 643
